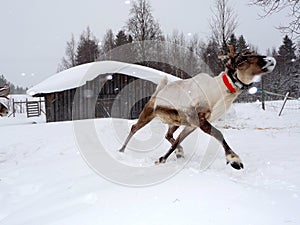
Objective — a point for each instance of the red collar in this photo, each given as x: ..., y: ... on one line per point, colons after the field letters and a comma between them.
x: 227, y: 83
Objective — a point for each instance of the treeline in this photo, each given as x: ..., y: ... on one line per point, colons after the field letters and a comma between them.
x: 13, y: 89
x: 286, y: 75
x: 184, y: 55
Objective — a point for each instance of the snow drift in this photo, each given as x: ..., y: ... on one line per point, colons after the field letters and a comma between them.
x: 44, y: 180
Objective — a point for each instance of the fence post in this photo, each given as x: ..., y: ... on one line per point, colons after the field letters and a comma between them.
x: 262, y: 94
x: 21, y: 106
x: 284, y: 101
x: 14, y: 110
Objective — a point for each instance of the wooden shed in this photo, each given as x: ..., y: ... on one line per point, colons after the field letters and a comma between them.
x: 97, y: 90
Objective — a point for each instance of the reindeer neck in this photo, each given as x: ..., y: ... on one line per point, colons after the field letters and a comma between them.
x: 236, y: 81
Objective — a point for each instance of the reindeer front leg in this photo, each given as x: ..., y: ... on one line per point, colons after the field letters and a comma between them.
x: 231, y: 156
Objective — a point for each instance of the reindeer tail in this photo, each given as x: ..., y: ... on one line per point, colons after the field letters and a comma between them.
x: 160, y: 86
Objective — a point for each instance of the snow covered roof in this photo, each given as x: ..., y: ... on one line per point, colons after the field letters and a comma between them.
x: 79, y: 75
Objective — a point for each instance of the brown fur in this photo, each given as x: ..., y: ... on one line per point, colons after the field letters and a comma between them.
x: 170, y: 116
x: 3, y: 110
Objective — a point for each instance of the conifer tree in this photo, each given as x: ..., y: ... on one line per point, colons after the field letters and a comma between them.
x: 122, y: 38
x: 210, y: 57
x: 87, y: 50
x: 241, y: 44
x: 287, y: 51
x: 288, y: 68
x: 286, y: 75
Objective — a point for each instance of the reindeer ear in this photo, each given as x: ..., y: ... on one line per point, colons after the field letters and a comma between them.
x: 231, y: 51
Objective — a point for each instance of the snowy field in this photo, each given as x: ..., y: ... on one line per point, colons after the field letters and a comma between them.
x: 45, y: 180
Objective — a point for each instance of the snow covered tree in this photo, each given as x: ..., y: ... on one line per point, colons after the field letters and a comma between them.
x: 87, y: 50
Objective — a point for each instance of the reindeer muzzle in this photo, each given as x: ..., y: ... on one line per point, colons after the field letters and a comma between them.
x: 270, y: 64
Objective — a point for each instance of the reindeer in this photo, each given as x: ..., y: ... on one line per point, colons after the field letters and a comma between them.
x: 4, y: 92
x: 198, y: 101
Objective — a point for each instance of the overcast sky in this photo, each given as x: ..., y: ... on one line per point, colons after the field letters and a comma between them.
x: 34, y: 32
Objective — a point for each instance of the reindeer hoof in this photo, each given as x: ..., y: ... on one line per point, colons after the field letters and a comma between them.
x: 237, y: 165
x: 179, y: 156
x: 234, y: 161
x: 160, y: 160
x: 179, y: 152
x: 121, y: 150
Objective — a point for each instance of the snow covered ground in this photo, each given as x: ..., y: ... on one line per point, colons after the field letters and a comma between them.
x: 45, y: 180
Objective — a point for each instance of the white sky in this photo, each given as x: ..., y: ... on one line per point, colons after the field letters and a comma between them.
x: 34, y: 32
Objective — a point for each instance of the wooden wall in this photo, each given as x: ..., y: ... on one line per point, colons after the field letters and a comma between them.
x: 117, y: 95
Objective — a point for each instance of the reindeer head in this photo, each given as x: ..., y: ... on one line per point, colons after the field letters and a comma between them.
x: 248, y: 65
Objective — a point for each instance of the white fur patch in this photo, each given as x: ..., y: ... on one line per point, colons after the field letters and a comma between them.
x: 233, y: 158
x: 256, y: 78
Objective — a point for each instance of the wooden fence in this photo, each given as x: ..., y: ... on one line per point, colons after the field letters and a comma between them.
x: 29, y: 106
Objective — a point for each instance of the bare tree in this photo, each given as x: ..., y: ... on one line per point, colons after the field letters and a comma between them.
x: 107, y: 44
x: 177, y: 44
x: 108, y: 41
x: 142, y: 26
x: 223, y: 23
x: 274, y: 6
x: 69, y: 60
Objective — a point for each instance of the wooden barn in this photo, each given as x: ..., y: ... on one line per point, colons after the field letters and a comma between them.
x: 97, y: 90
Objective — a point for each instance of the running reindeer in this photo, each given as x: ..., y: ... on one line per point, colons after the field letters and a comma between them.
x: 4, y: 92
x: 202, y: 99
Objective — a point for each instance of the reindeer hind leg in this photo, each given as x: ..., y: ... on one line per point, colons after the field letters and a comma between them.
x: 169, y: 136
x: 184, y: 133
